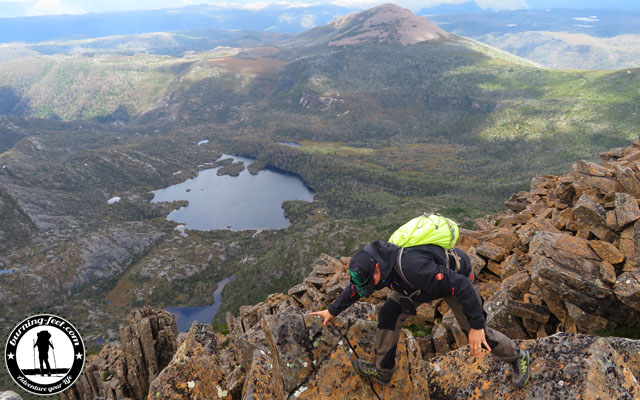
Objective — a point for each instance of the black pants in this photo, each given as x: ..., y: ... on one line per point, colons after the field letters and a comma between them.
x: 391, y: 318
x: 44, y: 359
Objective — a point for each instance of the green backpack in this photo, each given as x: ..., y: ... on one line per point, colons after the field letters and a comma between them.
x: 427, y: 229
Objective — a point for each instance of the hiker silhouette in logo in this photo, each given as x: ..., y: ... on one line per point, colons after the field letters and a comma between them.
x: 420, y: 273
x: 43, y: 343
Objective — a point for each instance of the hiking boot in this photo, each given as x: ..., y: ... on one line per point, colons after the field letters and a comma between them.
x: 521, y: 369
x: 365, y: 368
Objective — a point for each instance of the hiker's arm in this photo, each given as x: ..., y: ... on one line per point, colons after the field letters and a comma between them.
x: 346, y: 299
x: 325, y: 314
x: 461, y: 288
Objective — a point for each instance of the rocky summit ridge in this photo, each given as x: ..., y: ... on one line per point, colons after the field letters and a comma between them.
x: 387, y: 23
x: 558, y: 267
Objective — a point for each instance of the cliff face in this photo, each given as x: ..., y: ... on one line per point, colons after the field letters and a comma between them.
x: 562, y: 263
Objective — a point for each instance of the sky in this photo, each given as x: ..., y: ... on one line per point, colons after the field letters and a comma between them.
x: 21, y: 8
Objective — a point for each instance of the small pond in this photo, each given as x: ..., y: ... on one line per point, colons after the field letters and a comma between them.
x: 185, y: 316
x: 235, y: 202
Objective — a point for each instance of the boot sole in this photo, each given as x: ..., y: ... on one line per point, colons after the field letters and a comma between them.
x: 528, y: 372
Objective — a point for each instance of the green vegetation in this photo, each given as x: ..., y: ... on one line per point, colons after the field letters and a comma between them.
x: 420, y: 330
x: 621, y: 331
x: 387, y: 132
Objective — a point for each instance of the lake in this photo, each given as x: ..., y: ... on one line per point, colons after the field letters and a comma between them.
x: 237, y: 203
x: 185, y: 316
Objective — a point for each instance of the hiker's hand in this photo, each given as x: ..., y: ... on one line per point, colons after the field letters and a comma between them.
x: 476, y: 340
x: 324, y: 314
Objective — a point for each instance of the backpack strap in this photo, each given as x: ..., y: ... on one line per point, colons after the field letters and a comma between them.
x: 452, y: 255
x: 398, y: 268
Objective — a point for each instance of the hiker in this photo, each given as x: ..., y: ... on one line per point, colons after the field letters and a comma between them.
x: 429, y: 272
x: 43, y: 344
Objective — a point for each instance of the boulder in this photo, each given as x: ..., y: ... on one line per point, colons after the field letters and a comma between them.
x: 149, y: 342
x: 565, y: 268
x: 606, y: 251
x: 630, y: 246
x: 626, y: 210
x: 628, y: 180
x: 259, y: 382
x: 563, y: 366
x: 195, y: 371
x: 290, y: 349
x: 627, y: 289
x: 491, y: 251
x: 499, y: 317
x: 589, y: 211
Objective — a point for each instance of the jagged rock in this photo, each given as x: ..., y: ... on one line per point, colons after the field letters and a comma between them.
x: 604, y: 185
x: 258, y: 384
x: 612, y: 154
x: 627, y: 289
x: 290, y: 349
x: 527, y: 311
x: 629, y: 349
x: 630, y: 246
x: 517, y: 284
x: 606, y: 251
x: 442, y: 339
x: 563, y: 367
x: 566, y: 270
x: 247, y: 343
x: 608, y: 272
x: 194, y: 372
x: 626, y: 210
x: 499, y: 318
x: 628, y: 180
x: 148, y: 344
x: 589, y: 211
x: 477, y: 262
x: 587, y: 322
x: 491, y: 251
x: 513, y: 264
x: 516, y: 203
x: 253, y: 315
x: 298, y: 289
x: 589, y: 168
x: 527, y: 232
x: 10, y: 396
x: 451, y: 324
x: 502, y: 237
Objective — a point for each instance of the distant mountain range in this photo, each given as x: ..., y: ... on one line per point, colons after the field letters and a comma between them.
x: 473, y: 7
x: 276, y: 18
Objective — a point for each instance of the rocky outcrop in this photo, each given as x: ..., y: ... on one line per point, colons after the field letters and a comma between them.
x: 148, y: 344
x: 566, y: 253
x: 564, y: 258
x: 564, y: 366
x: 387, y: 23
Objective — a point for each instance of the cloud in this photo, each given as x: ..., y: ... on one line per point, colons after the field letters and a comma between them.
x: 502, y: 4
x: 308, y: 21
x: 52, y: 7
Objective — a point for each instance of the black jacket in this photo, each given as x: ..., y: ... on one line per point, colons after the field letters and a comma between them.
x: 425, y: 268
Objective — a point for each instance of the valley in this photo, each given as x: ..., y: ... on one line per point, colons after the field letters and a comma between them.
x: 386, y: 131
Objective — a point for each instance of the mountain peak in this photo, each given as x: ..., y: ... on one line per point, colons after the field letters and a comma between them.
x: 383, y: 24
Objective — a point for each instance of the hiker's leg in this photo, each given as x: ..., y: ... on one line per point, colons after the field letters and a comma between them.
x: 46, y: 360
x: 390, y: 319
x: 501, y: 346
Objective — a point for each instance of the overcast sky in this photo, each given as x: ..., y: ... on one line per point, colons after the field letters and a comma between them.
x: 18, y: 8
